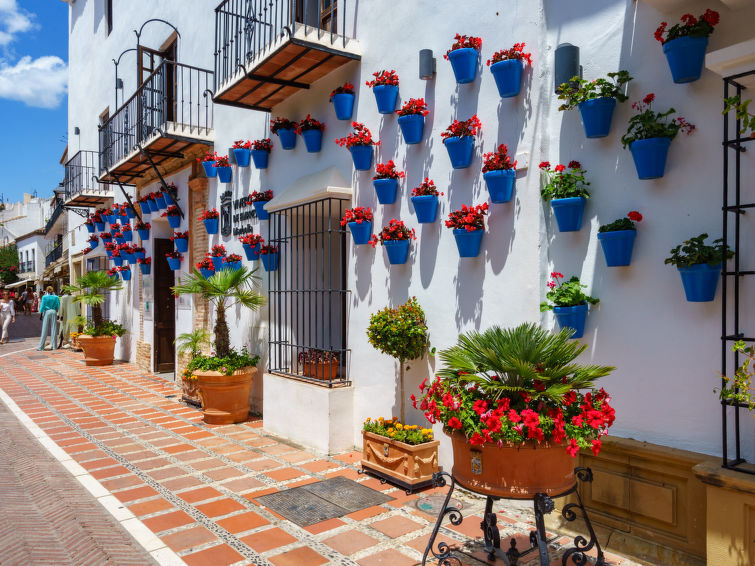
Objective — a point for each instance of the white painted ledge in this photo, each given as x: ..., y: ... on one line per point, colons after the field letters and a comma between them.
x: 732, y: 60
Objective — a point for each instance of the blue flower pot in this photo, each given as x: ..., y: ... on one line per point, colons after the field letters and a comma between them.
x: 568, y: 213
x: 251, y: 252
x: 232, y: 265
x: 146, y: 208
x: 617, y: 246
x: 260, y: 158
x: 361, y: 231
x: 464, y: 63
x: 118, y: 261
x: 130, y: 213
x: 161, y: 204
x: 169, y: 200
x: 468, y: 242
x: 386, y: 190
x: 224, y: 174
x: 109, y: 254
x: 120, y: 241
x: 181, y: 245
x: 500, y: 184
x: 128, y: 236
x: 93, y: 243
x: 139, y: 255
x: 460, y: 151
x: 700, y: 281
x: 130, y: 258
x: 153, y: 205
x: 211, y: 225
x: 596, y: 116
x: 126, y: 275
x: 146, y: 268
x: 174, y: 221
x: 426, y: 207
x: 287, y: 138
x: 572, y: 317
x: 411, y: 128
x: 343, y: 104
x: 312, y: 140
x: 397, y: 250
x: 259, y: 207
x: 650, y: 157
x: 217, y: 262
x: 242, y: 156
x: 270, y: 261
x: 112, y: 219
x: 99, y: 226
x: 386, y: 97
x: 508, y: 77
x: 90, y: 228
x: 174, y: 263
x: 362, y: 157
x: 114, y: 276
x: 143, y: 234
x: 107, y: 240
x: 685, y: 56
x: 209, y: 169
x: 206, y: 273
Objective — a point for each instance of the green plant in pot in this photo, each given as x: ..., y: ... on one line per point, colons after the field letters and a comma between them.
x: 98, y: 334
x: 225, y: 376
x: 515, y: 404
x: 191, y: 343
x: 699, y: 266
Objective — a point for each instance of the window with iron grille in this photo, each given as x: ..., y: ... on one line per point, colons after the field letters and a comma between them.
x: 308, y: 294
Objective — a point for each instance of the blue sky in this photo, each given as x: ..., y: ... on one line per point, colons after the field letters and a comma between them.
x: 33, y: 105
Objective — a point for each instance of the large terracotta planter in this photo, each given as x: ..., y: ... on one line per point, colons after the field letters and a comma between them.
x: 225, y: 398
x: 514, y: 471
x: 98, y: 350
x: 407, y: 465
x: 190, y: 391
x: 326, y: 371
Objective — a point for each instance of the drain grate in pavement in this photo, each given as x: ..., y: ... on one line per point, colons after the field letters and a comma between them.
x: 323, y: 500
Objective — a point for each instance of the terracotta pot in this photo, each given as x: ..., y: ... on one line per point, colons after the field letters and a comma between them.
x: 225, y: 398
x: 326, y: 371
x: 75, y: 343
x: 407, y: 463
x: 514, y: 471
x: 98, y: 350
x: 190, y: 391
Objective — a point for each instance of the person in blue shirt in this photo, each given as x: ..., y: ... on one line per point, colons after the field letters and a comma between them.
x: 49, y: 309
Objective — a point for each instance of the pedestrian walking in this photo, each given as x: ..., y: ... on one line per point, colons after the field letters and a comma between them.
x: 49, y: 311
x: 35, y: 302
x: 7, y: 314
x: 24, y: 303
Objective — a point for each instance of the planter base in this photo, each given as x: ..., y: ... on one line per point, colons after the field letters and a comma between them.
x: 405, y: 465
x: 98, y: 350
x: 409, y: 488
x: 225, y: 398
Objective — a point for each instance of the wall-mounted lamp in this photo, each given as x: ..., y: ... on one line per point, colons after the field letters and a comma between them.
x: 76, y: 131
x: 566, y: 64
x: 426, y: 64
x: 118, y: 83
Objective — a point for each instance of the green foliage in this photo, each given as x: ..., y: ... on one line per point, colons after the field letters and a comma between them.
x: 409, y: 434
x: 620, y: 224
x: 738, y: 389
x: 105, y: 328
x: 567, y: 294
x: 192, y: 342
x: 8, y: 264
x: 695, y: 252
x: 648, y: 124
x: 564, y: 182
x: 90, y: 290
x: 232, y: 361
x: 401, y: 332
x: 579, y: 90
x: 741, y: 108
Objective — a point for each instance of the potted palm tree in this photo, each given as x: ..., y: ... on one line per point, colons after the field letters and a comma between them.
x: 225, y: 376
x: 99, y: 334
x: 191, y: 343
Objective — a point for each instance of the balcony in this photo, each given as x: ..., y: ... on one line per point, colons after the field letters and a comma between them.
x: 53, y: 254
x: 80, y: 184
x: 54, y: 217
x: 268, y: 50
x: 167, y: 117
x: 26, y: 268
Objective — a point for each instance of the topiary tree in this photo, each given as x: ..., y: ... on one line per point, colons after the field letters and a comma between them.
x: 402, y: 334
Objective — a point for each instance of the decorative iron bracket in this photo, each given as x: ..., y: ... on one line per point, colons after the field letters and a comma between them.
x: 83, y: 212
x: 146, y: 153
x: 126, y: 196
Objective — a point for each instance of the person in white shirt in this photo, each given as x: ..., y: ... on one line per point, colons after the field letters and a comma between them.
x: 7, y: 314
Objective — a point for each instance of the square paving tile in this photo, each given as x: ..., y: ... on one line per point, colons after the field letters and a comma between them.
x: 149, y: 507
x: 188, y: 538
x: 220, y: 555
x: 199, y: 494
x: 349, y: 542
x: 220, y: 507
x: 302, y: 556
x: 243, y: 522
x: 268, y: 539
x: 395, y: 526
x: 388, y: 557
x: 167, y: 521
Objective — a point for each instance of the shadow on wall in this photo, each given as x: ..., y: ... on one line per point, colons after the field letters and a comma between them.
x: 415, y: 372
x: 468, y: 281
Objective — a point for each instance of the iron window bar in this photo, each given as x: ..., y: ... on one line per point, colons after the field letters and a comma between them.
x: 730, y: 360
x: 308, y: 294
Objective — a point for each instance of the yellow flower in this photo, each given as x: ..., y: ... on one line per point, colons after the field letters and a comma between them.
x: 399, y: 426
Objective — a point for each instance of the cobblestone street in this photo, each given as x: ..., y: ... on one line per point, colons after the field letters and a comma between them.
x: 187, y: 492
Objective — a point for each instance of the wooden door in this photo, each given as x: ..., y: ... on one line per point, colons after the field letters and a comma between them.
x: 164, y: 308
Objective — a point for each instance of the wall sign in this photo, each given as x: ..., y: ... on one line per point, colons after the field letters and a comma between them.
x: 244, y: 214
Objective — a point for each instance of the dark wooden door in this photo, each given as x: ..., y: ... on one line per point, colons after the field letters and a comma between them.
x: 164, y: 308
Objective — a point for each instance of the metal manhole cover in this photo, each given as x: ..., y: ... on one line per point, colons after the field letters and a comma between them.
x: 432, y: 504
x: 347, y: 493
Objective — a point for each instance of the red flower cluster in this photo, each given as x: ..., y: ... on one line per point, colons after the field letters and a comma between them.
x: 205, y: 263
x: 690, y: 26
x: 462, y: 41
x: 347, y: 88
x: 267, y: 249
x: 414, y: 106
x: 123, y: 268
x: 634, y: 216
x: 222, y: 161
x: 383, y: 78
x: 145, y: 260
x: 470, y: 127
x: 264, y: 145
x: 260, y: 196
x: 427, y: 188
x: 358, y: 214
x: 110, y: 246
x: 126, y: 228
x: 468, y: 218
x: 171, y: 211
x: 207, y: 157
x: 112, y: 272
x: 179, y: 236
x: 106, y: 236
x: 388, y: 171
x: 310, y: 123
x: 218, y: 250
x: 232, y: 258
x: 283, y: 124
x: 516, y: 52
x: 173, y: 255
x: 498, y: 160
x: 93, y: 238
x: 85, y: 251
x: 209, y: 214
x: 360, y: 136
x: 137, y: 249
x: 241, y: 144
x: 394, y: 231
x: 251, y: 239
x: 143, y: 226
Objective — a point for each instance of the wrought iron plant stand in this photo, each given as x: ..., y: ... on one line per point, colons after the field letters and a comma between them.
x: 543, y: 505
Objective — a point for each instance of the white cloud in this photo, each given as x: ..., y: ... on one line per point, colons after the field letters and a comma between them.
x: 40, y: 82
x: 13, y: 20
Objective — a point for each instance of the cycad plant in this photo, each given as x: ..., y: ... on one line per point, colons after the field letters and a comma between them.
x: 224, y: 289
x: 90, y: 290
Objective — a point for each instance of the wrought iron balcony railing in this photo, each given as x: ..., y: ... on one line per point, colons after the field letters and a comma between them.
x: 54, y: 217
x: 54, y: 254
x: 81, y: 176
x: 172, y: 102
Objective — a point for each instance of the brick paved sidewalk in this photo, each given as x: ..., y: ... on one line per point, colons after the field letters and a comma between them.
x: 197, y: 486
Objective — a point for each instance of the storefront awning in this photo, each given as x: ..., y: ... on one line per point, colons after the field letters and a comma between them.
x: 328, y: 183
x: 20, y: 283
